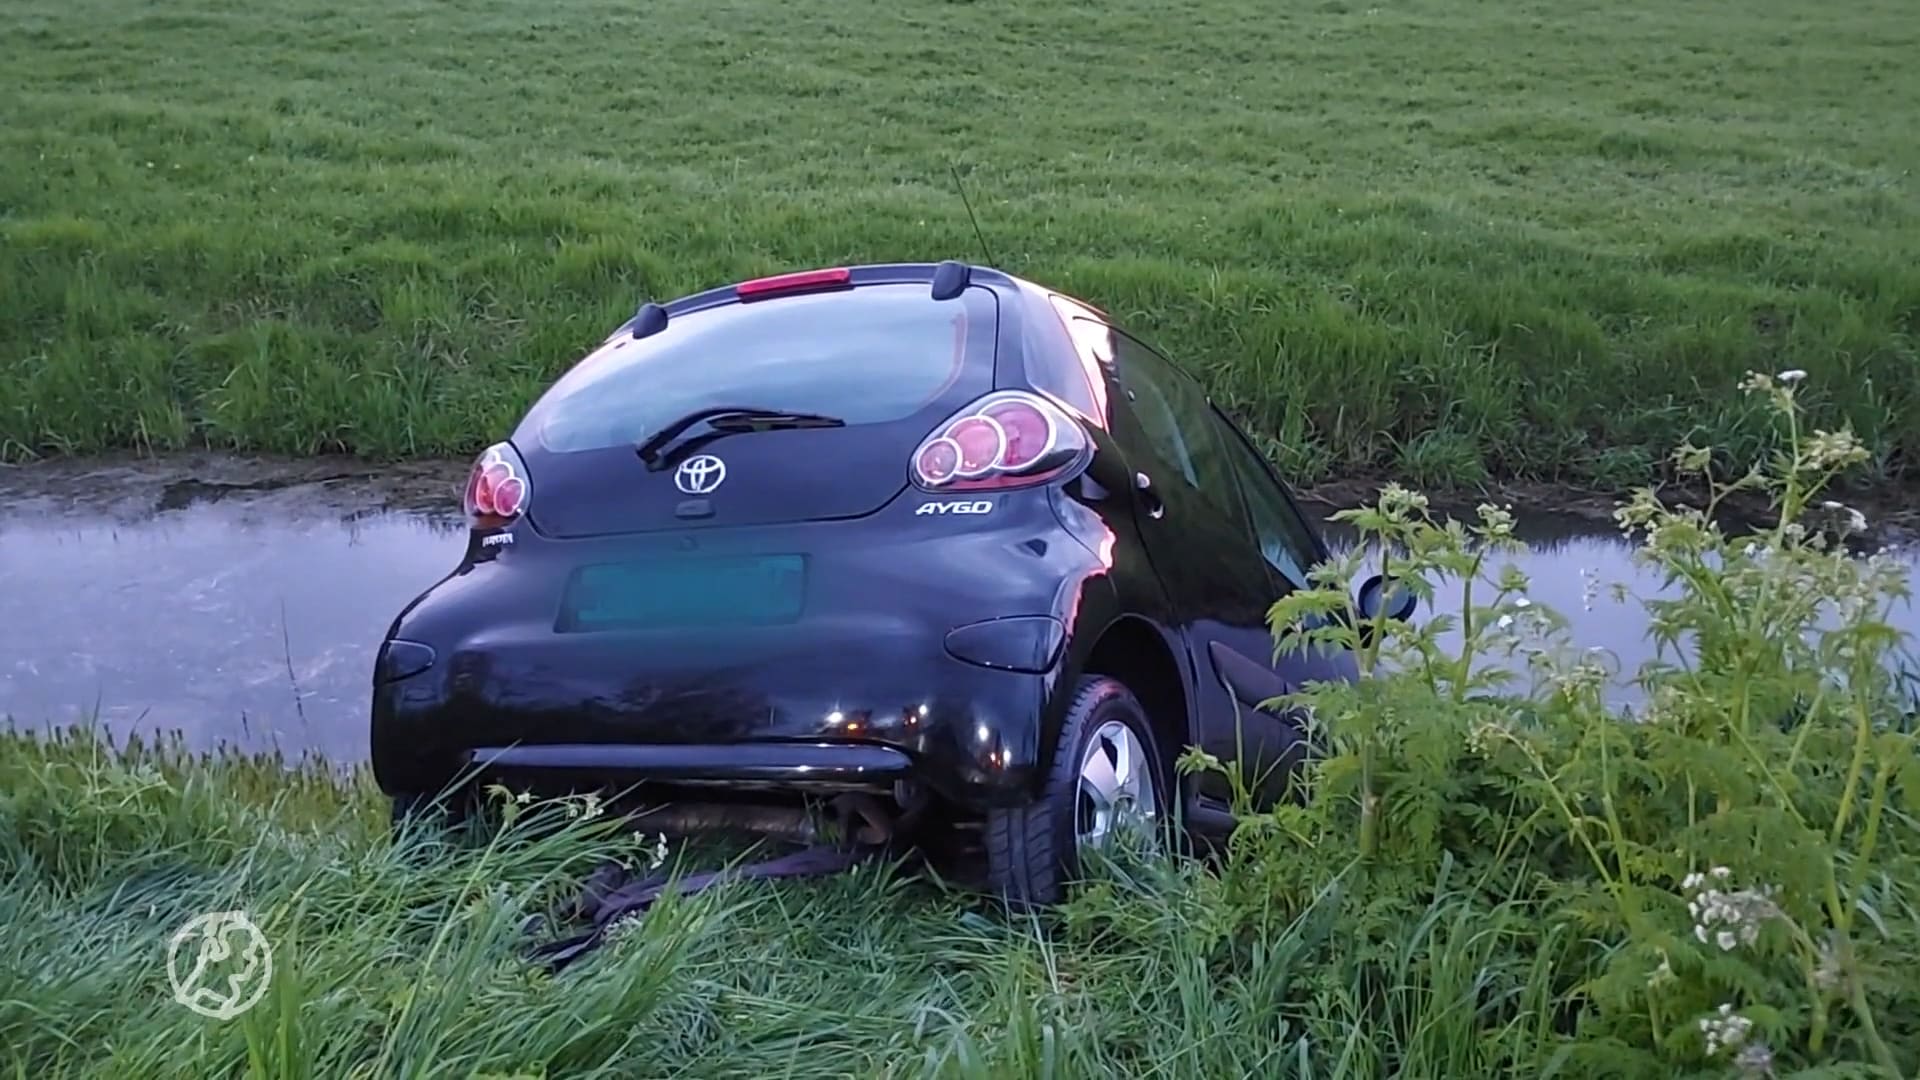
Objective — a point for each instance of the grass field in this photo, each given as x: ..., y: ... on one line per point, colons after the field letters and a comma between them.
x: 1435, y: 236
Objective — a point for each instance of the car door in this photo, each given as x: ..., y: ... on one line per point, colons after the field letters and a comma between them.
x: 1289, y: 548
x: 1198, y: 538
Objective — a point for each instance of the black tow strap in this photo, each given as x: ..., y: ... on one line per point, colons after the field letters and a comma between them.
x: 611, y: 893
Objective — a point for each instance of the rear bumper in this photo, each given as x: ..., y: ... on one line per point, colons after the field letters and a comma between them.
x: 813, y: 714
x: 796, y: 764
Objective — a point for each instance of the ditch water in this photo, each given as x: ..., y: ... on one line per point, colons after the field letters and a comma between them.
x: 240, y: 602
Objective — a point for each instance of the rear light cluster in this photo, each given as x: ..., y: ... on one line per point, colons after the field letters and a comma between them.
x: 1006, y: 439
x: 497, y: 490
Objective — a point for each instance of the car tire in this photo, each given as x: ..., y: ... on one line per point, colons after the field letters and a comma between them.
x: 1032, y: 851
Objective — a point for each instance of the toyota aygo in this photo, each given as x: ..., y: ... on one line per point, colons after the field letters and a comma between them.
x: 931, y: 534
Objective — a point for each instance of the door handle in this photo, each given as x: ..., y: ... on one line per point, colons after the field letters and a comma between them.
x: 1143, y: 483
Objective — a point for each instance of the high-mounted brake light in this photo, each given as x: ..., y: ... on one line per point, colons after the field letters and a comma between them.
x: 1009, y: 438
x: 497, y: 489
x: 804, y: 281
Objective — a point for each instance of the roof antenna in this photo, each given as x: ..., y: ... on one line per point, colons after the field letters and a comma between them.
x: 977, y: 234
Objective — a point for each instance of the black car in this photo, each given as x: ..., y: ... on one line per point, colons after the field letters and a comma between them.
x: 928, y: 532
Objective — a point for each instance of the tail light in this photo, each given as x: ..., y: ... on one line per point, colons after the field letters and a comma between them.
x: 1006, y: 439
x: 804, y: 281
x: 497, y: 490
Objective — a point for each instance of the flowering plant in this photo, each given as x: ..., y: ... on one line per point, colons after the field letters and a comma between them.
x: 1728, y: 871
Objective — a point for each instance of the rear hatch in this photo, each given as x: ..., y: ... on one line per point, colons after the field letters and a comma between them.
x: 887, y: 360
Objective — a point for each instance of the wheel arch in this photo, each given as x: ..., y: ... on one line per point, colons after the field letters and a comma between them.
x: 1143, y: 657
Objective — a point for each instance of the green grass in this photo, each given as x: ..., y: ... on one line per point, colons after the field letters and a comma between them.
x: 1448, y: 238
x: 396, y: 960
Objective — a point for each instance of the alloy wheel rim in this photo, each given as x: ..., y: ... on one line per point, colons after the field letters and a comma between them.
x: 1116, y: 789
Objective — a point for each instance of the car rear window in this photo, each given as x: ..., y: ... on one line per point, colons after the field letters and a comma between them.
x: 876, y: 354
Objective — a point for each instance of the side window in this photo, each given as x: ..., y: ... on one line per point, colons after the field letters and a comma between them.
x: 1285, y: 539
x: 1180, y: 424
x: 1162, y: 424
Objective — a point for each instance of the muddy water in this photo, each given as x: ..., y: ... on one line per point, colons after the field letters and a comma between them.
x: 240, y: 602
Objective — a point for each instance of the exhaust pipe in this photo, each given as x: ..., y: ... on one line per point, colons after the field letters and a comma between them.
x: 862, y: 818
x: 795, y: 823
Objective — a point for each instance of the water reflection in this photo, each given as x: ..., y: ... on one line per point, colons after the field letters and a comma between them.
x: 238, y: 615
x: 1572, y: 563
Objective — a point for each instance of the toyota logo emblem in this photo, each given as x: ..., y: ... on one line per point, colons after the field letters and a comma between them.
x: 700, y: 475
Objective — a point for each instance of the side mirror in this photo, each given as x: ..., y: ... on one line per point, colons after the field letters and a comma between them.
x: 1375, y: 595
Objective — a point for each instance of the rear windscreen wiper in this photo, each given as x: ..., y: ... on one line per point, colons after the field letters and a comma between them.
x: 729, y: 419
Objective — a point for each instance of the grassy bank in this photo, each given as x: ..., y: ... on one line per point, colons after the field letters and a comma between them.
x: 1435, y: 237
x: 1481, y: 880
x: 387, y: 967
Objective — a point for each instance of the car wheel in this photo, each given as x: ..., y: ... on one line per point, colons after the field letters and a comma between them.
x: 1106, y: 774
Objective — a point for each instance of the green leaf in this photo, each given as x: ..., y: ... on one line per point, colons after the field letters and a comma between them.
x: 1908, y: 781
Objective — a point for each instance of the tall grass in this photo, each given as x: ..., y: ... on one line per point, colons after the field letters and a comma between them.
x: 1446, y: 239
x: 393, y: 960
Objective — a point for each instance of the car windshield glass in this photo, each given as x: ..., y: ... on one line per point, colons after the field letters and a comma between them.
x: 876, y: 354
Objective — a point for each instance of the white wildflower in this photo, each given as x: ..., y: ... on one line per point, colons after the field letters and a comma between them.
x: 1583, y: 678
x: 1790, y: 377
x: 1395, y: 499
x: 1724, y: 1031
x: 523, y: 798
x: 1667, y: 705
x: 1481, y: 736
x: 1662, y: 974
x: 1833, y: 449
x: 1856, y: 521
x: 1505, y: 622
x: 1827, y: 974
x: 1497, y: 522
x: 1692, y: 459
x: 1755, y: 1060
x: 1638, y: 511
x: 1727, y: 918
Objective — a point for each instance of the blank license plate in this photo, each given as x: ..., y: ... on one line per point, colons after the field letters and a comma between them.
x: 685, y: 592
